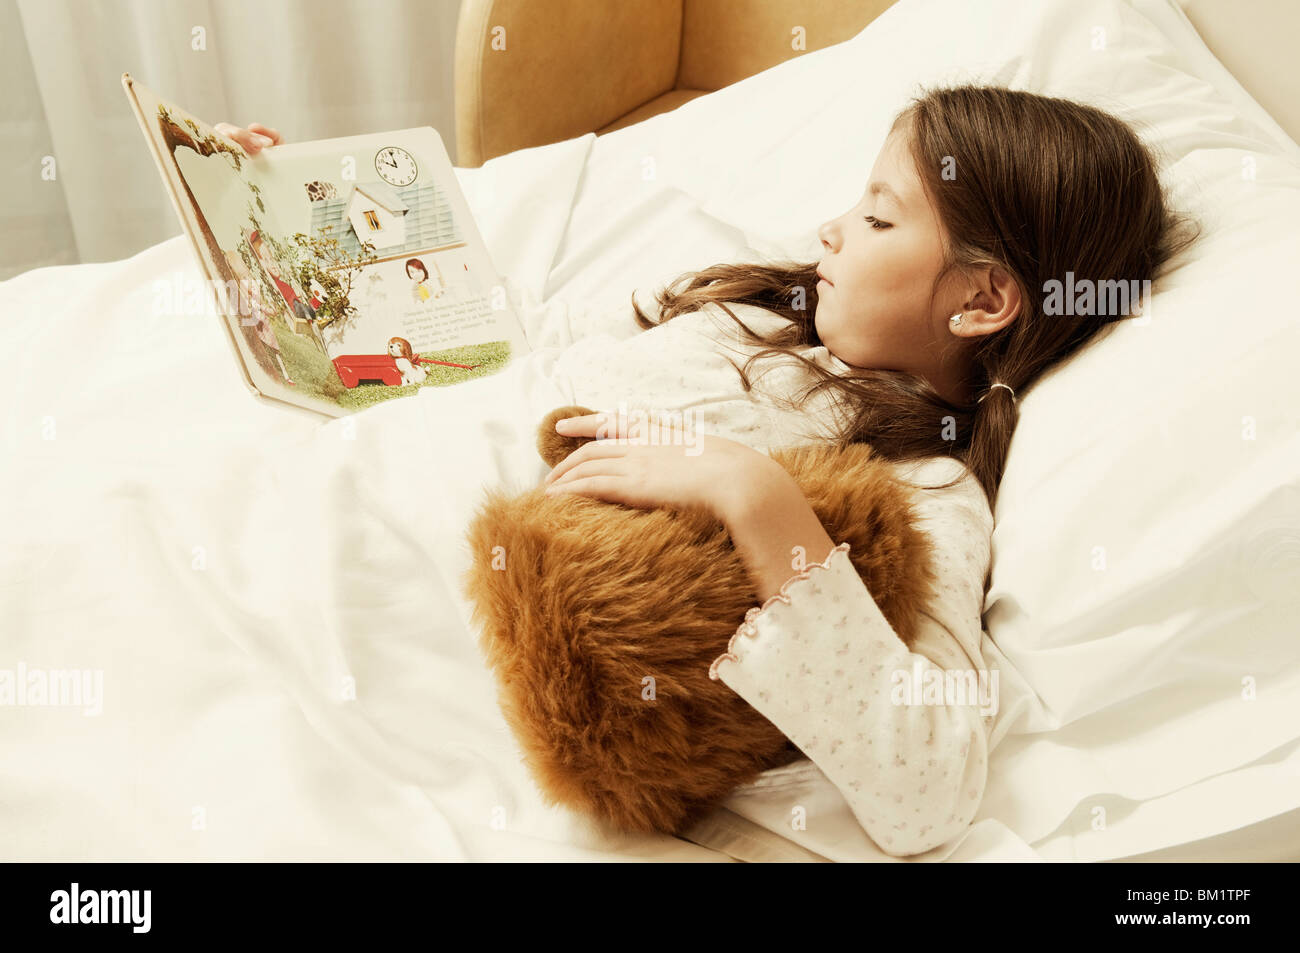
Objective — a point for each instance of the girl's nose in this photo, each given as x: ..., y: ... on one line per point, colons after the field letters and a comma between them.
x: 826, y: 233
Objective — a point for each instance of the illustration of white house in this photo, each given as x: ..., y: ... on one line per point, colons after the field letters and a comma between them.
x: 377, y: 215
x: 396, y: 221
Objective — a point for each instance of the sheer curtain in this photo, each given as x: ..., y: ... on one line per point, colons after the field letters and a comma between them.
x: 311, y: 68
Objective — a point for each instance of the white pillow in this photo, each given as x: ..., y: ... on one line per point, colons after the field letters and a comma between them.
x: 1146, y: 563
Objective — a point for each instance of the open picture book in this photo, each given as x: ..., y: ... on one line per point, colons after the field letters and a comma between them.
x: 346, y: 271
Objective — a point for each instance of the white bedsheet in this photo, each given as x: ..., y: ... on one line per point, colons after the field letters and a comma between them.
x: 284, y: 672
x: 234, y: 568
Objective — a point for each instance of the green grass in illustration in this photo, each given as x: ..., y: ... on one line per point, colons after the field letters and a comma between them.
x: 314, y: 375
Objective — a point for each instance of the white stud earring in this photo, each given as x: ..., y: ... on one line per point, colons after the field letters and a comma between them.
x: 955, y: 319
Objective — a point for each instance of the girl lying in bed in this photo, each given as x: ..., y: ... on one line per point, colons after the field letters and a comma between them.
x: 929, y: 315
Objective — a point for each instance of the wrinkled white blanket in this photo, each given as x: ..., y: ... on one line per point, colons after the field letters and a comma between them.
x: 263, y: 598
x: 237, y: 575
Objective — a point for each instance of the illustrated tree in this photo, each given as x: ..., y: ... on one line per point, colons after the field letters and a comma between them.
x: 319, y: 260
x: 270, y: 294
x: 322, y: 259
x: 187, y: 134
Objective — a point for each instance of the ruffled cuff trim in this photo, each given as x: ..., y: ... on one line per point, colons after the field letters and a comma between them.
x: 748, y: 628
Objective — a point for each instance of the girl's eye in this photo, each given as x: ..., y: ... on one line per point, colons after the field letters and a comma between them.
x: 875, y: 222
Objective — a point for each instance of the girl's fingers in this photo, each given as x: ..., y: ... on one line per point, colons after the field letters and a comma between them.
x: 585, y: 471
x: 588, y: 451
x: 272, y: 134
x: 253, y: 142
x: 249, y: 141
x: 586, y: 425
x: 599, y: 487
x: 607, y: 425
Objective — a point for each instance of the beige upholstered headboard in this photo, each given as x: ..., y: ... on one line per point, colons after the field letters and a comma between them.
x: 530, y: 72
x: 1256, y: 41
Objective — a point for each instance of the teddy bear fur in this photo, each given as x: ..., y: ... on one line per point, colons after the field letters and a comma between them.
x: 601, y: 621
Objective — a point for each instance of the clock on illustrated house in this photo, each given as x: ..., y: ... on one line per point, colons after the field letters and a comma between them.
x: 395, y: 165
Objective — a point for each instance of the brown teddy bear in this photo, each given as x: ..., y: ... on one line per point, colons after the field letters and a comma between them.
x: 601, y: 621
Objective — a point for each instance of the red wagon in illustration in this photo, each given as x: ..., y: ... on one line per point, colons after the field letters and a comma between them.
x: 355, y: 368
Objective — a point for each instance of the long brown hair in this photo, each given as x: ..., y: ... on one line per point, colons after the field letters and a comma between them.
x: 1044, y: 187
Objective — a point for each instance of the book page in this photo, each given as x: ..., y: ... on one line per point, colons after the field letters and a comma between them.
x: 390, y: 263
x: 223, y: 177
x: 360, y: 274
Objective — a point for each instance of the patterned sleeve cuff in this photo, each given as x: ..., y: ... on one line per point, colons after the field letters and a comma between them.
x: 748, y: 627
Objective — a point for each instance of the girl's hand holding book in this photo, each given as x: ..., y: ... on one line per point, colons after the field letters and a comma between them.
x: 254, y: 138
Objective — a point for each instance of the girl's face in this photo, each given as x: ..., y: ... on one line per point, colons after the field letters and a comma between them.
x: 414, y: 273
x: 879, y: 264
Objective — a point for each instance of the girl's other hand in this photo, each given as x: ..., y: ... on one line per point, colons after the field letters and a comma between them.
x: 688, y: 468
x: 254, y: 139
